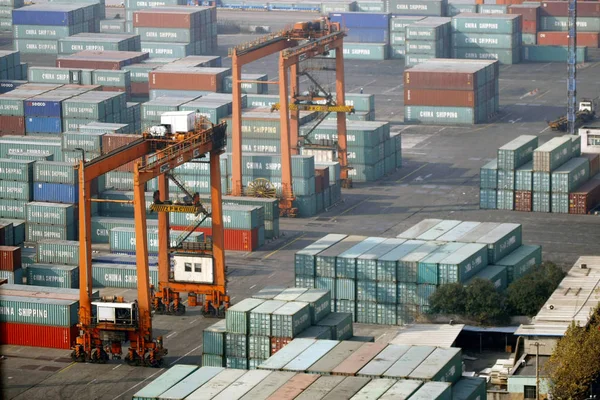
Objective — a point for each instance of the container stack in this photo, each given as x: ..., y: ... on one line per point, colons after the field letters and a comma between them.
x: 11, y: 67
x: 94, y: 106
x: 451, y: 92
x: 530, y: 19
x: 426, y: 39
x: 398, y: 25
x: 132, y: 6
x: 10, y: 264
x: 555, y: 177
x: 176, y: 32
x: 183, y: 81
x: 37, y: 28
x: 426, y: 8
x: 389, y: 281
x: 6, y: 8
x: 367, y: 34
x: 552, y: 33
x: 258, y: 327
x: 436, y: 379
x: 370, y: 146
x: 456, y: 7
x: 16, y: 190
x: 113, y: 26
x: 488, y: 37
x: 98, y: 42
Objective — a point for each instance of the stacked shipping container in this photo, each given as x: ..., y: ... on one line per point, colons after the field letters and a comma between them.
x: 6, y: 8
x: 258, y: 327
x: 426, y: 39
x: 367, y: 34
x: 445, y: 91
x: 389, y: 281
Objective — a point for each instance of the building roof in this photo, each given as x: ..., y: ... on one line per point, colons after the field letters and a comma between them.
x: 573, y: 300
x: 440, y: 335
x: 528, y: 368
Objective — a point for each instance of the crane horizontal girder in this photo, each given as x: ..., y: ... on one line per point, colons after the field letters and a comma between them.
x: 316, y: 107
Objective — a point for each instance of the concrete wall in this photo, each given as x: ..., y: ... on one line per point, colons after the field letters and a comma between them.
x: 592, y: 132
x: 546, y: 350
x: 516, y: 386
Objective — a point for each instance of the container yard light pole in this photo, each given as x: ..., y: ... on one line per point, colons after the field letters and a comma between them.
x: 572, y: 69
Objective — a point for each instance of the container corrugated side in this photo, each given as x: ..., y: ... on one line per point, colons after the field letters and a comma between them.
x: 290, y: 319
x: 521, y: 261
x: 193, y: 381
x: 238, y: 316
x: 61, y: 276
x: 29, y: 310
x: 213, y: 339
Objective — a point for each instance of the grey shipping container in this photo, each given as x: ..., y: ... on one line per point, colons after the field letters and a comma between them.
x: 238, y: 316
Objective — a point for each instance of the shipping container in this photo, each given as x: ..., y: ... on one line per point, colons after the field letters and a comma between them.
x: 340, y: 325
x: 486, y: 41
x: 10, y: 258
x: 408, y: 362
x: 286, y: 354
x: 551, y: 53
x: 523, y: 200
x: 319, y: 302
x: 384, y: 360
x: 164, y: 382
x: 190, y: 383
x: 290, y: 319
x: 366, y: 264
x: 440, y: 115
x: 12, y: 277
x: 463, y: 264
x: 61, y: 276
x: 213, y: 338
x: 357, y: 360
x: 50, y: 213
x: 364, y: 51
x: 496, y: 24
x: 416, y: 7
x: 260, y: 317
x: 39, y: 311
x: 570, y: 175
x: 517, y: 152
x: 238, y: 316
x: 269, y: 385
x: 433, y: 390
x: 55, y: 193
x: 26, y: 334
x: 236, y: 345
x: 16, y: 170
x: 521, y: 261
x: 345, y: 266
x: 496, y: 274
x: 524, y: 177
x: 552, y: 154
x: 119, y: 275
x: 402, y: 389
x: 320, y: 387
x: 469, y: 388
x: 501, y: 241
x: 311, y: 355
x: 334, y: 357
x: 13, y: 208
x: 585, y: 198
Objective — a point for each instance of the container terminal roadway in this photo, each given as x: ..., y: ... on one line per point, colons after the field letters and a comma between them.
x: 439, y: 179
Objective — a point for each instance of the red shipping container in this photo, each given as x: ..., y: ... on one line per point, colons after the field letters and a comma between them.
x: 235, y: 239
x: 56, y: 337
x: 528, y: 12
x: 529, y: 27
x: 561, y: 9
x: 441, y: 77
x: 278, y: 343
x: 523, y: 200
x: 10, y: 258
x: 167, y: 17
x: 586, y: 198
x: 112, y: 60
x: 140, y: 88
x: 318, y: 184
x: 10, y: 125
x: 208, y: 79
x: 588, y: 39
x: 439, y: 98
x: 594, y: 159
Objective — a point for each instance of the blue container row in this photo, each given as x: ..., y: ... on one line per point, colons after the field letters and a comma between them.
x: 55, y: 192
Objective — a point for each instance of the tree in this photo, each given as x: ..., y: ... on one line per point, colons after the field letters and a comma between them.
x: 574, y: 365
x: 484, y: 303
x: 448, y: 299
x: 527, y: 295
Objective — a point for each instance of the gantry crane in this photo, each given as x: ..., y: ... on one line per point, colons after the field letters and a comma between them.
x: 105, y: 325
x: 304, y: 41
x: 572, y: 69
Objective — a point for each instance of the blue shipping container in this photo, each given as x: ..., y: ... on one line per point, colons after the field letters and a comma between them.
x: 361, y: 20
x: 31, y: 16
x: 43, y: 125
x: 43, y: 108
x: 55, y: 193
x: 367, y: 35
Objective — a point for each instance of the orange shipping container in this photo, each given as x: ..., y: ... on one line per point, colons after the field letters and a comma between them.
x: 208, y: 79
x: 589, y: 39
x: 235, y: 239
x: 529, y: 26
x: 10, y: 258
x: 167, y: 17
x: 56, y: 337
x: 523, y: 200
x: 439, y: 98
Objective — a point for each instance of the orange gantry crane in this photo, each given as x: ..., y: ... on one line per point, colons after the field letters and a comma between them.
x: 306, y: 40
x: 108, y: 323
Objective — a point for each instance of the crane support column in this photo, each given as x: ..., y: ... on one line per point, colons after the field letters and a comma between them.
x: 236, y: 128
x: 572, y: 69
x: 294, y: 114
x: 163, y: 243
x: 341, y: 117
x: 286, y: 165
x: 141, y: 254
x: 217, y: 221
x: 85, y: 261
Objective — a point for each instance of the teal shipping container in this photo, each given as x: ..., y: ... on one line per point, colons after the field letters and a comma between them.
x: 501, y: 241
x: 388, y: 264
x: 497, y: 274
x: 428, y: 271
x: 492, y: 9
x: 364, y: 51
x: 213, y: 339
x: 408, y: 265
x: 440, y: 115
x: 570, y: 175
x: 505, y: 199
x: 488, y: 175
x: 428, y: 8
x: 167, y: 380
x: 486, y: 41
x: 16, y: 190
x: 542, y: 202
x: 13, y: 208
x: 524, y: 177
x: 551, y: 53
x: 584, y: 24
x: 39, y: 311
x: 345, y: 263
x: 304, y: 260
x: 517, y: 152
x: 504, y: 56
x: 453, y: 9
x: 260, y: 318
x: 560, y: 203
x: 168, y: 50
x: 521, y: 261
x: 14, y: 277
x: 36, y: 232
x: 64, y: 252
x: 366, y: 264
x: 16, y: 170
x: 60, y: 276
x: 50, y: 213
x: 497, y: 24
x: 469, y: 388
x: 238, y: 316
x: 290, y: 319
x: 119, y: 275
x: 463, y: 264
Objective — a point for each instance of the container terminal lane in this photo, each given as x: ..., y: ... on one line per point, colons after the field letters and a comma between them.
x: 439, y: 179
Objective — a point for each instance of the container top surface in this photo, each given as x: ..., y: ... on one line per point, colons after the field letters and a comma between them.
x: 431, y: 390
x: 518, y: 254
x: 246, y: 382
x: 466, y: 386
x: 482, y: 229
x: 217, y: 327
x: 439, y: 65
x: 463, y: 253
x: 384, y: 360
x: 268, y: 307
x: 193, y: 70
x: 419, y: 228
x: 333, y: 319
x: 438, y: 230
x: 269, y: 385
x: 422, y: 252
x: 312, y: 295
x: 269, y: 292
x: 374, y: 389
x: 570, y: 165
x: 359, y: 358
x: 526, y: 167
x: 491, y: 271
x: 552, y: 144
x: 290, y: 294
x: 18, y: 162
x: 53, y: 7
x: 246, y: 305
x: 381, y: 249
x: 291, y: 308
x: 518, y: 142
x: 335, y: 356
x: 401, y: 251
x: 409, y: 361
x: 362, y: 247
x: 402, y: 389
x: 441, y: 253
x: 498, y: 233
x: 311, y: 355
x: 37, y: 301
x: 486, y: 17
x: 342, y: 246
x: 434, y: 363
x: 287, y: 353
x: 217, y: 384
x: 11, y: 287
x: 54, y: 267
x: 190, y: 383
x: 458, y: 231
x: 50, y: 205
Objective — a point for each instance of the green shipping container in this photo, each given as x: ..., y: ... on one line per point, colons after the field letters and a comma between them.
x: 238, y: 316
x: 44, y: 32
x: 488, y: 175
x: 236, y: 345
x: 64, y: 252
x: 36, y: 46
x: 570, y: 175
x: 60, y: 276
x: 31, y: 310
x: 417, y: 7
x: 37, y: 232
x: 486, y: 41
x: 529, y: 39
x: 168, y: 50
x: 370, y: 6
x: 260, y: 318
x: 542, y: 202
x: 13, y: 208
x: 50, y: 213
x: 504, y: 56
x: 464, y: 263
x: 584, y: 24
x: 120, y: 79
x: 492, y: 9
x: 497, y: 24
x: 15, y: 277
x: 440, y: 115
x: 119, y: 276
x: 517, y: 152
x: 398, y: 23
x: 551, y: 53
x: 521, y: 261
x: 560, y: 203
x: 364, y: 51
x: 212, y: 360
x: 290, y: 319
x: 213, y: 339
x: 455, y: 9
x: 16, y: 170
x: 55, y: 172
x: 494, y: 273
x: 16, y: 190
x: 524, y: 177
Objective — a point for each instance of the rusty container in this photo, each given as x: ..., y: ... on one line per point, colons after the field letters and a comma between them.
x: 523, y: 200
x: 12, y: 125
x: 10, y: 258
x: 113, y: 141
x: 168, y: 17
x: 112, y: 60
x: 201, y: 79
x: 585, y: 198
x: 440, y: 98
x: 528, y: 12
x: 529, y: 27
x: 594, y: 160
x: 561, y: 9
x: 140, y: 88
x: 447, y: 74
x: 588, y: 39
